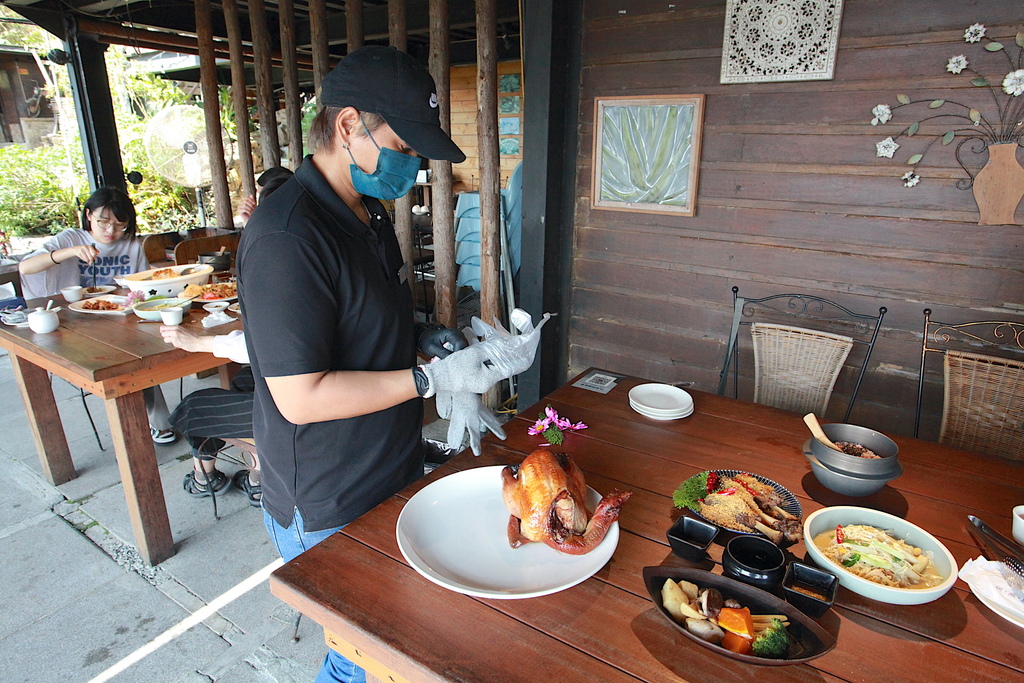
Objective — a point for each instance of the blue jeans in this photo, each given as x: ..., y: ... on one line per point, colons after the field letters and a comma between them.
x: 291, y: 543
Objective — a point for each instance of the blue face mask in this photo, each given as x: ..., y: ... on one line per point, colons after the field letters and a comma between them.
x: 394, y: 177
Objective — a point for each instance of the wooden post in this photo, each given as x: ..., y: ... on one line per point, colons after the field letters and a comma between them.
x: 403, y: 205
x: 354, y: 24
x: 487, y: 140
x: 490, y: 174
x: 265, y: 101
x: 238, y: 98
x: 397, y: 29
x: 442, y: 213
x: 211, y: 111
x: 318, y: 36
x: 292, y: 108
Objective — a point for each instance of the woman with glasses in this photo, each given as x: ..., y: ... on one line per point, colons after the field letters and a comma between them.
x: 104, y: 248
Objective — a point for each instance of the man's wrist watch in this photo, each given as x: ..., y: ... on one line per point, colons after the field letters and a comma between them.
x: 420, y: 378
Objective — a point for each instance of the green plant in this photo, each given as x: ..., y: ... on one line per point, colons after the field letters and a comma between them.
x: 37, y: 195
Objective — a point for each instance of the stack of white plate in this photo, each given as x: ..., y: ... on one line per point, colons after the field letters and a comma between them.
x: 660, y: 401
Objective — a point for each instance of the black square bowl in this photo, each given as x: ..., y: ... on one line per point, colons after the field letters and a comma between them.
x: 691, y: 537
x: 823, y: 584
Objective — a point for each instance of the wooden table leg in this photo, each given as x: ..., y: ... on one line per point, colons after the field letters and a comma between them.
x: 375, y: 671
x: 43, y: 418
x: 140, y: 476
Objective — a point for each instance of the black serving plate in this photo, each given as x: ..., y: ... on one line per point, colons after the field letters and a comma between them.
x: 810, y: 639
x: 791, y: 503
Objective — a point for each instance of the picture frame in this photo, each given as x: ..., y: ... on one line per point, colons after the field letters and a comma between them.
x: 647, y: 153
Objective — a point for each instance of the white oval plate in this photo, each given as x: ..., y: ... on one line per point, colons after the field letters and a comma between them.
x: 453, y: 532
x: 660, y: 397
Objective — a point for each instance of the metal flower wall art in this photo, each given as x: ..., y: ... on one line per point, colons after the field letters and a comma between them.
x: 999, y: 132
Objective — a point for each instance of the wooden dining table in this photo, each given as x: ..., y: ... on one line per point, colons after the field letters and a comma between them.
x: 378, y: 611
x: 114, y: 357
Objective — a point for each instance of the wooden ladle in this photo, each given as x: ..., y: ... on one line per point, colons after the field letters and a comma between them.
x: 811, y: 420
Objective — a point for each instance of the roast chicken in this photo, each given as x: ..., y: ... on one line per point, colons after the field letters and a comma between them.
x: 546, y: 496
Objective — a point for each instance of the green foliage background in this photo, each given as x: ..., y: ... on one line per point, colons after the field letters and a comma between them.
x: 39, y: 187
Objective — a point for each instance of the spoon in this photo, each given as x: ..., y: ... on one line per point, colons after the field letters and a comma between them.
x: 811, y: 420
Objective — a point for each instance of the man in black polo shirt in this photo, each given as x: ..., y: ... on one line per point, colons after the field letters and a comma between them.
x: 328, y: 312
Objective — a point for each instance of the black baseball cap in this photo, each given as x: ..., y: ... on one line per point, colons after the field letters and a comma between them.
x: 387, y: 81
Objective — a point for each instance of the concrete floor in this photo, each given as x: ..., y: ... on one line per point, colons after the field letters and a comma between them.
x: 76, y: 599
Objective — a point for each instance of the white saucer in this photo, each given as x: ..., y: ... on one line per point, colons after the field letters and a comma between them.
x: 661, y: 398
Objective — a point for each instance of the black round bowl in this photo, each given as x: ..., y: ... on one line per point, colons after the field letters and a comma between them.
x: 755, y: 561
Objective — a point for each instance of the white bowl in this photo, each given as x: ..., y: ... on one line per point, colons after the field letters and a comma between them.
x: 172, y: 286
x: 828, y: 518
x: 215, y: 306
x: 150, y: 310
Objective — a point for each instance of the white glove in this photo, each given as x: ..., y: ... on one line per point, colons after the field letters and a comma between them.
x: 469, y: 370
x: 512, y: 353
x: 467, y: 413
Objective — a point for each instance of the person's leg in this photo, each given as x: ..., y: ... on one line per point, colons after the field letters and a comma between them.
x: 159, y: 422
x: 204, y: 415
x: 290, y: 543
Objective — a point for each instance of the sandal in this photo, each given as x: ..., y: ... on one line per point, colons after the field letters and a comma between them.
x: 254, y: 492
x: 217, y: 482
x: 163, y: 436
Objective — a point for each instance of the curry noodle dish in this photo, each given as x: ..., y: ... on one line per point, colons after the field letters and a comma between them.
x: 873, y: 554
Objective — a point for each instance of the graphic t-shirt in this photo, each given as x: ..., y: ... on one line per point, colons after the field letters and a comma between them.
x: 123, y: 257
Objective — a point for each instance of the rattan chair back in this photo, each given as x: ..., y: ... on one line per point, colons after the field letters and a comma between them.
x: 983, y: 408
x: 983, y: 394
x: 796, y: 368
x: 814, y: 362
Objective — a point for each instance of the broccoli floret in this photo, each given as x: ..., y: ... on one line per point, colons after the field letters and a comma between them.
x: 773, y: 642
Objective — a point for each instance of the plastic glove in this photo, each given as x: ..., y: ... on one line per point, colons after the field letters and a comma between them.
x: 511, y: 353
x: 467, y: 413
x: 438, y: 341
x: 470, y: 370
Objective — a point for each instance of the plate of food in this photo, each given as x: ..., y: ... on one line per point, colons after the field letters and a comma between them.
x: 454, y: 532
x: 735, y: 620
x: 879, y: 556
x: 743, y: 503
x: 98, y: 290
x: 217, y: 291
x: 103, y: 304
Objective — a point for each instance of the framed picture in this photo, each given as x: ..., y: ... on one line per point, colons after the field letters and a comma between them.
x: 647, y: 153
x: 780, y: 40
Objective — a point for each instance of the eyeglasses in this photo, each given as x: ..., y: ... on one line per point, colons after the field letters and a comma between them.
x: 107, y: 225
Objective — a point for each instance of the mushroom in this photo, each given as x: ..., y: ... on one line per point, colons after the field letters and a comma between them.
x: 732, y: 603
x: 711, y: 603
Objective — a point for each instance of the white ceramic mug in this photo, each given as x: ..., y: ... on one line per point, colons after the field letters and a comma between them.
x: 73, y: 294
x: 171, y: 316
x: 1018, y: 524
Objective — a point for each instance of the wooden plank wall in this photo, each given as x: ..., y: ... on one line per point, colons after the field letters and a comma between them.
x: 463, y: 92
x: 791, y: 198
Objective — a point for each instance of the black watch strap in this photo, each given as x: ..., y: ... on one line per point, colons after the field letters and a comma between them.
x: 422, y: 383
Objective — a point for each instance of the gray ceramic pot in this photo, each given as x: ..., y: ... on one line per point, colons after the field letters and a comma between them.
x: 852, y: 464
x: 853, y: 485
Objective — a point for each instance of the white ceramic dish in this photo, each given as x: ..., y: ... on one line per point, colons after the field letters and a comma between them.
x: 996, y: 608
x: 78, y: 306
x: 453, y: 532
x: 100, y: 290
x: 660, y: 416
x: 235, y: 308
x: 169, y: 287
x: 659, y: 398
x: 215, y: 306
x: 150, y: 310
x: 828, y: 518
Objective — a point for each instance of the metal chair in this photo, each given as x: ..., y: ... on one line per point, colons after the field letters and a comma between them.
x: 796, y: 368
x: 983, y: 395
